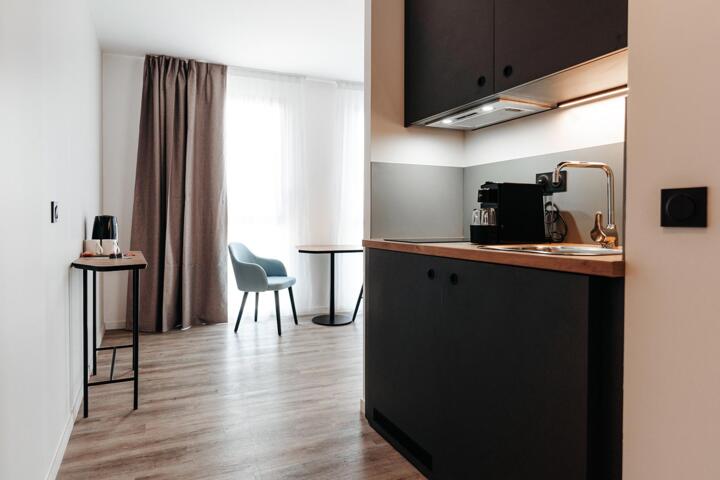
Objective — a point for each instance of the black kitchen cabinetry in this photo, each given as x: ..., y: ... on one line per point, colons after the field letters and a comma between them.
x: 475, y: 370
x: 402, y: 348
x: 460, y: 51
x: 448, y: 54
x: 534, y: 38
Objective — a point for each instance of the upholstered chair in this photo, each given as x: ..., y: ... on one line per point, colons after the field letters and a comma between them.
x: 257, y: 274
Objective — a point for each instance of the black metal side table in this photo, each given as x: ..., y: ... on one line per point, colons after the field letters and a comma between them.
x: 134, y: 263
x: 332, y: 319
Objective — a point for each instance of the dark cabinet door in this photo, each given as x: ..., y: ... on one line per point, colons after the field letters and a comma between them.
x: 534, y: 38
x: 515, y: 375
x: 401, y: 331
x: 448, y: 55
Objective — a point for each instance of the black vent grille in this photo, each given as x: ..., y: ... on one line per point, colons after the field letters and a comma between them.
x: 413, y: 448
x: 467, y: 115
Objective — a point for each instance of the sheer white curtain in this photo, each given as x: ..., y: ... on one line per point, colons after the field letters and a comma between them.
x: 350, y: 144
x: 294, y: 150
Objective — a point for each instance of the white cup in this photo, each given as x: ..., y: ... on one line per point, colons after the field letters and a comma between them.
x: 101, y: 247
x: 91, y: 245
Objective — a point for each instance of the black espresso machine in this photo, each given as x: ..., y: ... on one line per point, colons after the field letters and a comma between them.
x: 508, y: 213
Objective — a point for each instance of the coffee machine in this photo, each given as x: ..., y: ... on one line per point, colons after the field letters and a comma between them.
x: 508, y: 213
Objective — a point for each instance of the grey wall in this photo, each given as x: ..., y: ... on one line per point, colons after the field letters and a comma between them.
x: 437, y: 201
x: 586, y: 188
x: 416, y: 201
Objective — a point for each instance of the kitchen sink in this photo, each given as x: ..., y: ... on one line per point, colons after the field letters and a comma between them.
x: 575, y: 250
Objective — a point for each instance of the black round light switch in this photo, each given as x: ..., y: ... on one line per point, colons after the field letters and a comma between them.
x: 680, y: 207
x: 683, y: 207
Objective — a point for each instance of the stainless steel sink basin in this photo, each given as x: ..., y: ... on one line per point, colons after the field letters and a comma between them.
x: 575, y: 250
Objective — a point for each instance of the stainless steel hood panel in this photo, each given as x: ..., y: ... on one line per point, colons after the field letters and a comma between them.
x: 489, y: 113
x: 598, y: 75
x: 604, y: 73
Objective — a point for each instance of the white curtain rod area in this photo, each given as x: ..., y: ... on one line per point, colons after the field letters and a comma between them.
x: 259, y: 73
x: 252, y: 72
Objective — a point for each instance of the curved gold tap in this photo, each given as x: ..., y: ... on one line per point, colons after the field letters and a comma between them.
x: 605, y: 235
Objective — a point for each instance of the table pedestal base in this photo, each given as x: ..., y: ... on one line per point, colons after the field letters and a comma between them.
x: 336, y: 321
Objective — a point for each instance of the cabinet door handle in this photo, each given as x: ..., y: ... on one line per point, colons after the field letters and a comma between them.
x: 481, y: 80
x: 507, y: 71
x: 454, y: 278
x: 431, y: 274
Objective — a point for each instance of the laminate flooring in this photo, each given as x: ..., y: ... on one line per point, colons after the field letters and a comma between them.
x: 219, y: 405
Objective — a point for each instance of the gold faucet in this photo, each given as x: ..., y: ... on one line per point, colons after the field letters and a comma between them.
x: 605, y: 235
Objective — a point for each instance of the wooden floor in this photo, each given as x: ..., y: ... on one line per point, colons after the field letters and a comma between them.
x: 215, y: 405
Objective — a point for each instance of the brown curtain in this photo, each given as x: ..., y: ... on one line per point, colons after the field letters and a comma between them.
x: 180, y: 212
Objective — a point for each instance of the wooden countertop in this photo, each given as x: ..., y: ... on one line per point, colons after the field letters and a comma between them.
x: 602, y: 266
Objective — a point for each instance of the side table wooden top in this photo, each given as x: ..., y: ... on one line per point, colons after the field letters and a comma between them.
x: 329, y: 248
x: 104, y: 264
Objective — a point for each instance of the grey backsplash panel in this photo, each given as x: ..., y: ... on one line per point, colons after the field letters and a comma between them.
x: 586, y: 191
x: 416, y: 201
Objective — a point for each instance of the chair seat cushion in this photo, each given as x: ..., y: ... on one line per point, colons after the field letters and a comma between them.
x: 279, y: 283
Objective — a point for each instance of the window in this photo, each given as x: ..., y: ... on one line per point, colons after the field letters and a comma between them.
x: 294, y: 154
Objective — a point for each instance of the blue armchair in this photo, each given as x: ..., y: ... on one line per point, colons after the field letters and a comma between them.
x: 257, y: 274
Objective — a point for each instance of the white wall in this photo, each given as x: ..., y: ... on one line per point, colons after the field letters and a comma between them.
x: 50, y: 135
x: 672, y: 319
x: 122, y: 81
x: 559, y: 130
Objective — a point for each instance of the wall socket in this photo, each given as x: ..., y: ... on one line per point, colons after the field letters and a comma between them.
x: 545, y: 179
x: 54, y: 212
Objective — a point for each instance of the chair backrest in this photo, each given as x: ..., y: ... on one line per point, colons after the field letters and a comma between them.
x: 249, y: 275
x: 239, y: 252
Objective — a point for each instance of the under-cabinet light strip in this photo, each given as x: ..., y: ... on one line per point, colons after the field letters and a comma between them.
x: 615, y: 92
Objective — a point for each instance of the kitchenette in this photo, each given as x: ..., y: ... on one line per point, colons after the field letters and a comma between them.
x: 494, y: 263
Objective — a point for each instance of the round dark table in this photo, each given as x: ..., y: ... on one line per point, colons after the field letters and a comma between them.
x: 332, y: 319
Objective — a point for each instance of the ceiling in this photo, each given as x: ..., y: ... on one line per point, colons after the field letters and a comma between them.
x: 317, y: 38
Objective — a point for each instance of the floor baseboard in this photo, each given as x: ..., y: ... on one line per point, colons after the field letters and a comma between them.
x: 67, y: 431
x: 120, y: 325
x: 115, y: 325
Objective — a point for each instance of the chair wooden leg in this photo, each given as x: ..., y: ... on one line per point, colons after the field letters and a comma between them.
x: 292, y: 303
x: 257, y: 300
x: 277, y: 311
x: 357, y: 305
x: 242, y: 307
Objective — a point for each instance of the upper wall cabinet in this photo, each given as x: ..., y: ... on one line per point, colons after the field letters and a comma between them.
x: 448, y: 55
x: 458, y: 52
x: 534, y: 38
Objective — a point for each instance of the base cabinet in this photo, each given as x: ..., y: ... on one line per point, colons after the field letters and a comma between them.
x: 402, y: 353
x: 475, y: 370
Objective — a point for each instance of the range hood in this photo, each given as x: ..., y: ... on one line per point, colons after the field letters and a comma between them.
x: 604, y: 76
x: 489, y: 113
